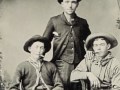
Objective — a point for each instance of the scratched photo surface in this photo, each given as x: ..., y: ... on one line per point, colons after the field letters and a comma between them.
x: 21, y: 19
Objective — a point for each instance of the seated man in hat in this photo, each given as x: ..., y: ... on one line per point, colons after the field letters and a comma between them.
x: 103, y: 70
x: 36, y: 73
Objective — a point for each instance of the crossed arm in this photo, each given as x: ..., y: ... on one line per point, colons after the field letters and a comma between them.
x: 81, y: 73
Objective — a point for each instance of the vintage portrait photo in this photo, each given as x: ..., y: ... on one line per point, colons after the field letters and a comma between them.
x: 59, y: 45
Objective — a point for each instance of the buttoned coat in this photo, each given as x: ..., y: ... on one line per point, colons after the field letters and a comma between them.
x: 59, y: 28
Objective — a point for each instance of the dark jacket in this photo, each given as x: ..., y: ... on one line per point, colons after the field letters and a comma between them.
x: 60, y: 25
x: 26, y: 74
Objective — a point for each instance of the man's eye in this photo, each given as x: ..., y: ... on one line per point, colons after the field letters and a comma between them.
x: 102, y: 44
x: 41, y: 47
x: 74, y: 2
x: 66, y: 1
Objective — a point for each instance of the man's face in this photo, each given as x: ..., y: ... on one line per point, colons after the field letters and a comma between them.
x: 36, y: 49
x: 69, y: 6
x: 100, y: 47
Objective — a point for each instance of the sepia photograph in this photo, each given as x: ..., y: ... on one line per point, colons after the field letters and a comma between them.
x: 59, y: 45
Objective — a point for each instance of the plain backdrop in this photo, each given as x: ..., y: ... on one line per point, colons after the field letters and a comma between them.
x: 21, y: 19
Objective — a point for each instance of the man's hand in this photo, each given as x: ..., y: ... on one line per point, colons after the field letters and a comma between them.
x: 89, y: 55
x: 95, y: 83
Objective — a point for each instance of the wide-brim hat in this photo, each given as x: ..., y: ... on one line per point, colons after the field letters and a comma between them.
x: 59, y: 1
x: 29, y: 42
x: 89, y: 41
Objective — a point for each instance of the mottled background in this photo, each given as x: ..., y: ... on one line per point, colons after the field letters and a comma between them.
x: 21, y: 19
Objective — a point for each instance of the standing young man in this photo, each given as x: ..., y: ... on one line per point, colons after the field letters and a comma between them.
x: 103, y: 71
x: 69, y: 32
x: 36, y: 73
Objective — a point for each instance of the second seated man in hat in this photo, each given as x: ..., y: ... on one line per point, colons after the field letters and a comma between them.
x: 103, y: 70
x: 35, y: 73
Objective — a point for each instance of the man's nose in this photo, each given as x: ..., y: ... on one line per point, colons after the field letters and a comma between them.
x: 99, y: 47
x: 39, y: 49
x: 70, y: 4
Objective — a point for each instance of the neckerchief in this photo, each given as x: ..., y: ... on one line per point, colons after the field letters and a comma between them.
x: 38, y: 72
x: 103, y: 61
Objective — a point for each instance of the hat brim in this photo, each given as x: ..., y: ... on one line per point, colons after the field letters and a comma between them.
x: 59, y: 1
x: 89, y: 41
x: 35, y: 38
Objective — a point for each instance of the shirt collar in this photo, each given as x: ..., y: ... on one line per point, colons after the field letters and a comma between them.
x: 32, y: 60
x: 74, y: 22
x: 105, y: 60
x: 36, y: 64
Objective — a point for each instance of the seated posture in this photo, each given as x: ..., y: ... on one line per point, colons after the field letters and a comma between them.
x: 103, y: 70
x: 36, y: 73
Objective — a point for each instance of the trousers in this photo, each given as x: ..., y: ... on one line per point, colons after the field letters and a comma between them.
x: 65, y: 70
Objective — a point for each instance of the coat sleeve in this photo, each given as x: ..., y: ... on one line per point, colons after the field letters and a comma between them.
x: 87, y: 31
x: 58, y: 85
x: 48, y: 33
x: 116, y: 78
x: 80, y: 72
x: 17, y: 78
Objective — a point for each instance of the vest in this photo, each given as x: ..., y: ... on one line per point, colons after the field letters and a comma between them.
x: 69, y: 52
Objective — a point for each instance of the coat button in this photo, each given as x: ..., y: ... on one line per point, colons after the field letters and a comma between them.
x: 71, y: 37
x: 72, y: 48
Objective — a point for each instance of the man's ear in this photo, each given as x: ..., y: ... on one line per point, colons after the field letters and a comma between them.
x: 109, y: 45
x: 29, y: 49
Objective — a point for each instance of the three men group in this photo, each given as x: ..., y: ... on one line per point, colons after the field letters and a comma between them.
x: 69, y: 32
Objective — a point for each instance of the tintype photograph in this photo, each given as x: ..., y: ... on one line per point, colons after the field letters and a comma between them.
x: 59, y: 45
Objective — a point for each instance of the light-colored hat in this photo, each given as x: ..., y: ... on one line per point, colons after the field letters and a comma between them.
x: 89, y: 41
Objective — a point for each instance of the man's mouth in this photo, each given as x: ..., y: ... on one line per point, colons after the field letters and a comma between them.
x: 69, y: 9
x: 97, y: 52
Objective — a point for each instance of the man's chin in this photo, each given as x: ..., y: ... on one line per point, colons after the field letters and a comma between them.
x: 69, y: 12
x: 97, y: 54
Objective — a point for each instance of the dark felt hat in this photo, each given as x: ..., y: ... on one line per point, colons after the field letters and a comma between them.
x: 62, y: 1
x: 89, y: 41
x: 35, y: 38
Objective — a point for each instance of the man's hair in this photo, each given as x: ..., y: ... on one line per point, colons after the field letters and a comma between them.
x: 62, y: 1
